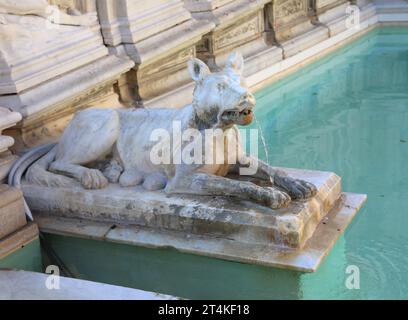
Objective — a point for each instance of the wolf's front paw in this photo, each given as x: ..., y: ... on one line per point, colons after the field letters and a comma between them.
x: 93, y: 179
x: 276, y: 199
x: 298, y: 189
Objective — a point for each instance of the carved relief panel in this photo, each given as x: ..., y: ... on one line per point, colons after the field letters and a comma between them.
x: 323, y: 5
x: 83, y: 6
x: 288, y: 18
x: 232, y: 36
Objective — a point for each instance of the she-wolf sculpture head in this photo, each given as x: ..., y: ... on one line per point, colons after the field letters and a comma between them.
x: 221, y: 99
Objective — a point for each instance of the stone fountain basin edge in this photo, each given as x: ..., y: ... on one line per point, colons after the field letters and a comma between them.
x: 307, y: 259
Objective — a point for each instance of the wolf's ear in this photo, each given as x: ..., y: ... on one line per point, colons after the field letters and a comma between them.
x: 235, y: 62
x: 198, y: 69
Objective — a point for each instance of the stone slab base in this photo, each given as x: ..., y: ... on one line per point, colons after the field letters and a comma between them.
x: 306, y: 260
x: 223, y: 217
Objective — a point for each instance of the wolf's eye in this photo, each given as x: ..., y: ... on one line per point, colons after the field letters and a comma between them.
x: 221, y: 86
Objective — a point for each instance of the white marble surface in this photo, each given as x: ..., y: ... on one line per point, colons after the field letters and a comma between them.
x: 24, y: 285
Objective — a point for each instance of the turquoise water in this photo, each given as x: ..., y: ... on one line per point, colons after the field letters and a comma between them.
x: 348, y: 113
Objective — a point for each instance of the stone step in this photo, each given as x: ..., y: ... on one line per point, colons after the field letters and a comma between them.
x: 221, y: 217
x: 47, y: 54
x: 71, y: 84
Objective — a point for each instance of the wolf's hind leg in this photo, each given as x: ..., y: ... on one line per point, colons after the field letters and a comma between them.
x: 155, y: 181
x: 130, y: 178
x: 89, y: 178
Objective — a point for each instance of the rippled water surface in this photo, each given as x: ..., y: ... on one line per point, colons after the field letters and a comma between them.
x: 348, y: 113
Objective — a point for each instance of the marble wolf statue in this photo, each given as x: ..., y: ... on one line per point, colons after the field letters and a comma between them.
x: 121, y: 139
x: 43, y: 9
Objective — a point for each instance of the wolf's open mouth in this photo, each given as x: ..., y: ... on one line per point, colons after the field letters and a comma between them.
x: 243, y: 117
x: 236, y: 114
x: 245, y: 112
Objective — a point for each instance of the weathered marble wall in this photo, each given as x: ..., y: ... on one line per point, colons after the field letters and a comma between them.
x: 137, y: 53
x: 238, y: 25
x: 49, y: 71
x: 159, y: 36
x: 293, y: 27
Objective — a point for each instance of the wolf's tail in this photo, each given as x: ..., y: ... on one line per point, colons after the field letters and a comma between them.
x: 38, y: 172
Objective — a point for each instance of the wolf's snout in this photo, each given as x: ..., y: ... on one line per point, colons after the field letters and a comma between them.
x: 247, y: 101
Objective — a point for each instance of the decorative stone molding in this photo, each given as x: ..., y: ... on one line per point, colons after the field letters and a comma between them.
x: 83, y: 6
x: 292, y: 26
x: 238, y: 25
x: 7, y: 120
x: 48, y: 71
x: 159, y: 36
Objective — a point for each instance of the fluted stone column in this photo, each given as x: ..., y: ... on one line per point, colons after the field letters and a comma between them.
x: 160, y: 37
x: 239, y: 25
x: 291, y: 21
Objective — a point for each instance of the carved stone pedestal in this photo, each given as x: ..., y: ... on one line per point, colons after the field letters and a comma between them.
x: 297, y: 237
x: 333, y: 14
x: 160, y: 37
x: 238, y: 25
x: 292, y: 25
x: 49, y: 71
